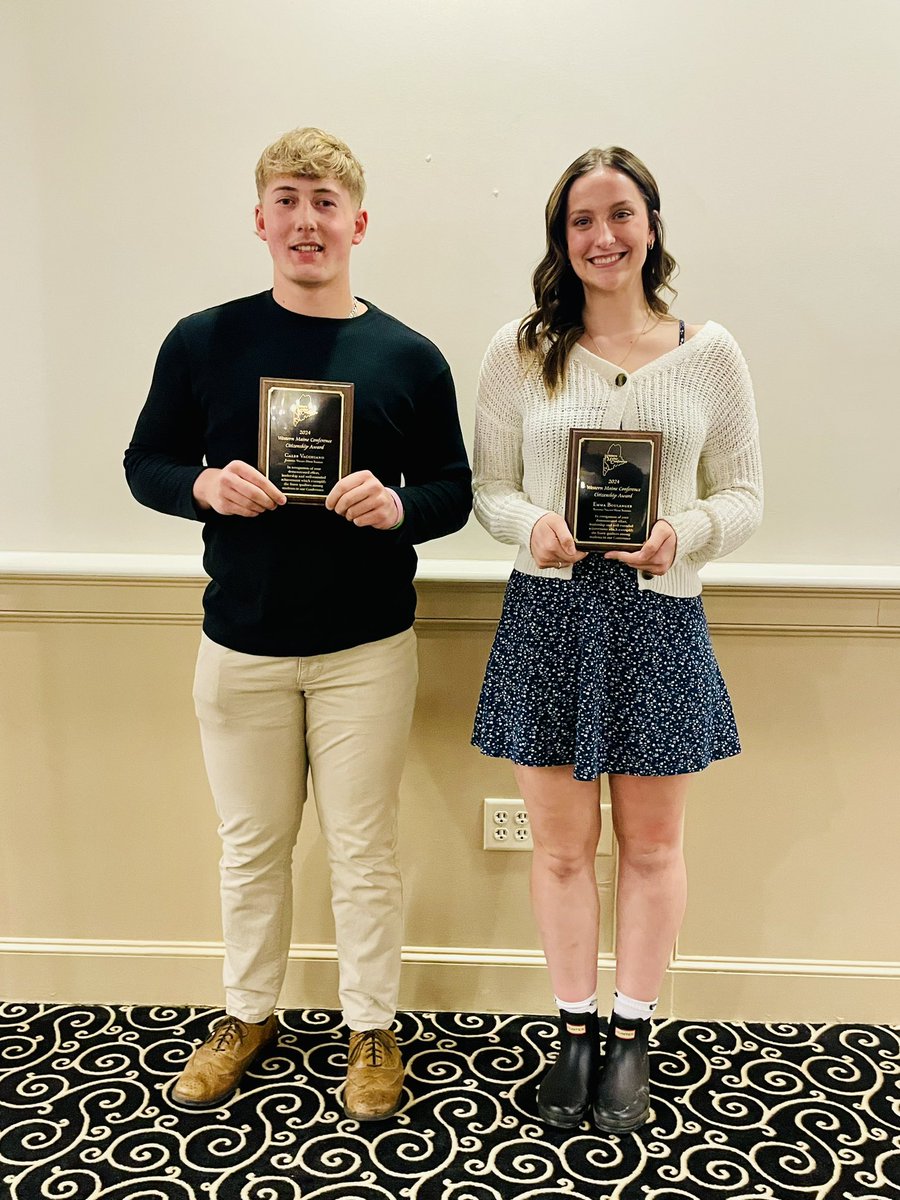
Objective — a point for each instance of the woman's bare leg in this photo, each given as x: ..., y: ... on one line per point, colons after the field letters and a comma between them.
x: 565, y: 828
x: 648, y: 817
x: 564, y: 814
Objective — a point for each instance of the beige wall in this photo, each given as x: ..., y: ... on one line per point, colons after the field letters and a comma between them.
x: 108, y: 870
x: 131, y: 127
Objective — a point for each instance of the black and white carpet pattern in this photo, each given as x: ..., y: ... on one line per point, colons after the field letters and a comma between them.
x: 740, y: 1111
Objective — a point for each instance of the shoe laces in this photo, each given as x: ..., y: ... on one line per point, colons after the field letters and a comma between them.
x: 226, y: 1032
x: 371, y: 1046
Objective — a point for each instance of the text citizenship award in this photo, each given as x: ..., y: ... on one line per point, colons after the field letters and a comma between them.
x: 305, y: 427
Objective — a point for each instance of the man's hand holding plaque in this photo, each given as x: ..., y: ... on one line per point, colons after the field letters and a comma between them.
x: 364, y: 500
x: 237, y: 490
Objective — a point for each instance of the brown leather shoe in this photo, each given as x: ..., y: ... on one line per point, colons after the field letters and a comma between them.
x: 374, y: 1076
x: 215, y: 1068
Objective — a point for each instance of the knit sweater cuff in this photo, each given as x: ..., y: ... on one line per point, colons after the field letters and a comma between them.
x: 693, y: 528
x: 509, y: 518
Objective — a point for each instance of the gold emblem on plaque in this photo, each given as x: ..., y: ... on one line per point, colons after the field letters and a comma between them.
x: 612, y: 459
x: 303, y: 409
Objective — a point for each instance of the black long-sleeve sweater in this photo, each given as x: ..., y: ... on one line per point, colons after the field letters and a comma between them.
x: 301, y: 580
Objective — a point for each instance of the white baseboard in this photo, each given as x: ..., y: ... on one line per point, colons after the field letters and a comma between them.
x: 464, y: 978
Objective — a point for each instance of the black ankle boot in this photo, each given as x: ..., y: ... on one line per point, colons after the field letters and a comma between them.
x: 566, y: 1090
x: 623, y: 1091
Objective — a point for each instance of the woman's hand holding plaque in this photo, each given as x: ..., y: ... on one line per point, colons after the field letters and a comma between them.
x: 655, y: 556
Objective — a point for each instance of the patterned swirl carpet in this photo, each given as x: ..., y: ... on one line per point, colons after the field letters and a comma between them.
x: 740, y: 1112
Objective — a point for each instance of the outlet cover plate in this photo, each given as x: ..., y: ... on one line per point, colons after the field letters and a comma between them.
x: 506, y: 827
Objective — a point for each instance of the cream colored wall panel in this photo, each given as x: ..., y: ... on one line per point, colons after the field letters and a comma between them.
x: 71, y: 978
x: 111, y: 835
x: 800, y: 608
x: 469, y: 602
x: 768, y: 995
x: 110, y: 842
x: 792, y: 847
x: 102, y: 599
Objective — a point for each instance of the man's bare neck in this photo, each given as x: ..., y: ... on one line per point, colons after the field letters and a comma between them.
x: 316, y: 302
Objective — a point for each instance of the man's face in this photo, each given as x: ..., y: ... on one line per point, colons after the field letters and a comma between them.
x: 310, y: 226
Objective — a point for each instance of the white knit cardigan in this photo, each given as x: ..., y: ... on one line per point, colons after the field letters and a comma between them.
x: 700, y: 398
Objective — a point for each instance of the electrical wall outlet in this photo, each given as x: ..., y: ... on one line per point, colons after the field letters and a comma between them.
x: 506, y: 827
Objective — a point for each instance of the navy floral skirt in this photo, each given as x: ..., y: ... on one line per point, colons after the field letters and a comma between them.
x: 592, y: 671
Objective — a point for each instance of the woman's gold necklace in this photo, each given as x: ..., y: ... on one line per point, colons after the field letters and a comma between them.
x: 634, y: 341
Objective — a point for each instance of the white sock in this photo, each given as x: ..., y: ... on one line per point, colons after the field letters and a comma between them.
x: 634, y: 1010
x: 578, y: 1006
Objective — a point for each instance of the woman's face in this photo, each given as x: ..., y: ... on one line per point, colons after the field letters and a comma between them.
x: 607, y: 231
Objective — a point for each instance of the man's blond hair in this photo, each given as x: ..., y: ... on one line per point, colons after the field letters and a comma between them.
x: 310, y: 153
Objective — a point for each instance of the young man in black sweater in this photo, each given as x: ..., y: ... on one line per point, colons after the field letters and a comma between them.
x: 307, y: 661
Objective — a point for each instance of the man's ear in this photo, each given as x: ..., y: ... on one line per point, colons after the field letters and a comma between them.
x: 259, y: 223
x: 360, y: 225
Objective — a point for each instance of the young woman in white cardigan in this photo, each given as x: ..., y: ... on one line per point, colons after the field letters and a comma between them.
x: 602, y: 663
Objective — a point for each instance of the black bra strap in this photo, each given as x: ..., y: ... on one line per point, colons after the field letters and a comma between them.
x: 681, y: 333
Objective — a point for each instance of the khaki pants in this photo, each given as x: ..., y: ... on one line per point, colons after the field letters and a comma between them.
x: 266, y: 722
